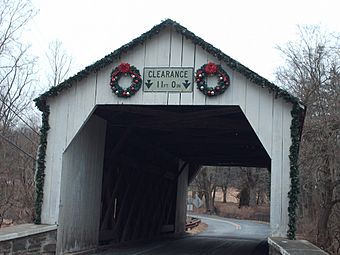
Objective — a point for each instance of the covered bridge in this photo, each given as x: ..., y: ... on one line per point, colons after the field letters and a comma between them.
x: 122, y: 139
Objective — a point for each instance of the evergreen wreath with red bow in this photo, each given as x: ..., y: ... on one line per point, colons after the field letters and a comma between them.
x: 211, y: 69
x: 119, y: 71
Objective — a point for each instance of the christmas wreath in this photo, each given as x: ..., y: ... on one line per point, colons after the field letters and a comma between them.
x: 211, y: 69
x: 119, y: 71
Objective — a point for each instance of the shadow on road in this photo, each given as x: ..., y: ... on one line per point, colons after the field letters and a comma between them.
x: 222, y: 237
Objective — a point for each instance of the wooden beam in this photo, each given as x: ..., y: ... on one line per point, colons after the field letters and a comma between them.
x: 165, y: 124
x: 184, y: 165
x: 148, y: 167
x: 152, y: 111
x: 140, y: 188
x: 262, y: 164
x: 124, y: 201
x: 228, y: 141
x: 110, y: 204
x: 163, y: 118
x: 193, y: 171
x: 170, y: 188
x: 122, y: 141
x: 107, y: 175
x: 157, y: 111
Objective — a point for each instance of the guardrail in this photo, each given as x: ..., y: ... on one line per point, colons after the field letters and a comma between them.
x: 193, y: 223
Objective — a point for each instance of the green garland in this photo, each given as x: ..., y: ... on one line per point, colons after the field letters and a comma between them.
x: 40, y: 173
x: 233, y: 64
x: 295, y: 132
x: 109, y: 59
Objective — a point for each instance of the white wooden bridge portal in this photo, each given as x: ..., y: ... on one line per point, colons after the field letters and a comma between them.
x: 118, y: 160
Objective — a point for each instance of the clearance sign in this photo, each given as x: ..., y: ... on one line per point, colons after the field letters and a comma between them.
x: 168, y: 79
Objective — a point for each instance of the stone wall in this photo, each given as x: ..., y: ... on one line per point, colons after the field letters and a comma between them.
x: 282, y: 246
x: 28, y: 243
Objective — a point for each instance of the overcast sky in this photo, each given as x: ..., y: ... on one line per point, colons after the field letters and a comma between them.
x: 248, y: 31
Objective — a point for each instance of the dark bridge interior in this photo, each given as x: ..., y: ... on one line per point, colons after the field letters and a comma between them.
x: 144, y: 145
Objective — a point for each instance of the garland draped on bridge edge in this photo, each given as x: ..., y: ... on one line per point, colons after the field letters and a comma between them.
x: 296, y: 113
x: 40, y: 167
x: 295, y: 128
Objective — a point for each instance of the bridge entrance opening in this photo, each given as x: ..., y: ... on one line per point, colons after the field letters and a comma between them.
x: 135, y: 164
x: 146, y: 151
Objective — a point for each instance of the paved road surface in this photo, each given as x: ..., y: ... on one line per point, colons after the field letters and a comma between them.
x: 223, y: 236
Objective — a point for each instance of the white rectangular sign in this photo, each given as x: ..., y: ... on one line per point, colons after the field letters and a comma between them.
x: 168, y: 79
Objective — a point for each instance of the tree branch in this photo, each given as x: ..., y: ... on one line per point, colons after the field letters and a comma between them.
x: 334, y: 202
x: 335, y: 183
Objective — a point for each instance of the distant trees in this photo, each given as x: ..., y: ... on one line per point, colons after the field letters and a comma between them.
x: 312, y: 72
x: 206, y: 183
x: 252, y: 184
x: 60, y: 63
x: 256, y: 182
x: 16, y: 65
x: 17, y: 174
x: 19, y: 130
x: 18, y: 133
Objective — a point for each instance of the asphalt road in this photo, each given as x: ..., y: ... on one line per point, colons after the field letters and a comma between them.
x: 223, y: 236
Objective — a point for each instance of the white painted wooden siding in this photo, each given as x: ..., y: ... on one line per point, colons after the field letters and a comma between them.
x: 81, y: 189
x: 269, y: 117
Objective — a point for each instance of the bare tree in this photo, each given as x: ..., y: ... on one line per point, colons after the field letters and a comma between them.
x: 206, y: 183
x: 252, y: 183
x: 312, y: 72
x: 224, y: 181
x: 256, y: 181
x: 16, y: 92
x: 17, y: 175
x: 60, y: 63
x: 16, y: 66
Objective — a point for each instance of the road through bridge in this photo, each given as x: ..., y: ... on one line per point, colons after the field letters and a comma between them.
x: 222, y: 237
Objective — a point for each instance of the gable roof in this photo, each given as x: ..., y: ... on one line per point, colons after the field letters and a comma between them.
x: 109, y: 59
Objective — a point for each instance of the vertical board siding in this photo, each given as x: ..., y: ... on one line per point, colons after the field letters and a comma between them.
x: 55, y: 146
x: 228, y: 95
x: 175, y: 61
x: 266, y: 119
x: 239, y: 88
x: 71, y: 111
x: 81, y: 107
x: 68, y: 114
x: 287, y: 141
x: 103, y: 90
x: 157, y: 53
x: 253, y: 105
x: 82, y: 167
x: 201, y: 58
x: 135, y: 57
x: 61, y: 107
x: 276, y: 168
x: 188, y: 60
x: 46, y: 218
